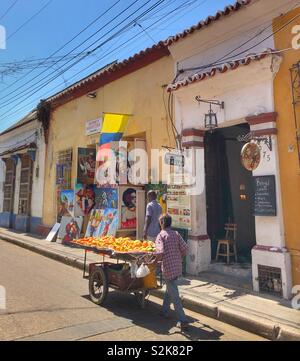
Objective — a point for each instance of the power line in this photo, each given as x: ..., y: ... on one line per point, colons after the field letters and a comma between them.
x: 8, y: 10
x: 105, y: 55
x: 35, y: 90
x: 30, y: 19
x: 241, y: 45
x: 45, y: 71
x: 12, y: 68
x: 63, y: 46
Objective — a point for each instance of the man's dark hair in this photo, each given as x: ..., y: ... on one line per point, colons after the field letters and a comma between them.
x: 165, y: 221
x: 152, y: 194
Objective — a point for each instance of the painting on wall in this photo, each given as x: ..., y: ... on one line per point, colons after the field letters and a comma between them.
x: 65, y: 204
x: 128, y: 208
x: 84, y: 199
x: 92, y: 229
x: 86, y: 164
x: 106, y: 198
x: 110, y: 222
x: 70, y: 229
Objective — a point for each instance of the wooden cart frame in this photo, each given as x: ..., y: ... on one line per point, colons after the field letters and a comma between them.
x: 101, y: 275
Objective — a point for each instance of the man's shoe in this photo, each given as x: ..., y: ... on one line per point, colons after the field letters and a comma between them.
x: 183, y: 325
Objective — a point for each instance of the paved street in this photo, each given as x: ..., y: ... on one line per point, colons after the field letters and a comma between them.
x: 47, y: 300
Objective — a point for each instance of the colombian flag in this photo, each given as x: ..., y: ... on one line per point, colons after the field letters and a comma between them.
x: 114, y: 125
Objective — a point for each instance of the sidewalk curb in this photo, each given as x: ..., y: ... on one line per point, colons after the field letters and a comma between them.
x: 254, y: 324
x: 250, y: 323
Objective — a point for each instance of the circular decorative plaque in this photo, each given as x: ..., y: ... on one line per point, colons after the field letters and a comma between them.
x: 250, y: 156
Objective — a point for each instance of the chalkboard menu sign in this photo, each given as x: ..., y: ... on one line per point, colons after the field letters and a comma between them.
x: 265, y: 196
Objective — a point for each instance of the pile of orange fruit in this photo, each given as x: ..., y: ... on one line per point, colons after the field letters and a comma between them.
x: 121, y: 244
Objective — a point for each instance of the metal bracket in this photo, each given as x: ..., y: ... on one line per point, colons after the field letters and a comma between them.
x: 266, y: 140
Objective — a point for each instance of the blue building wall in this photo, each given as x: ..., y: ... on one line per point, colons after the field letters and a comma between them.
x: 20, y: 223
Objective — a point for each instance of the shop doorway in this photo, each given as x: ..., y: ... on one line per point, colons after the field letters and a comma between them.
x: 229, y: 190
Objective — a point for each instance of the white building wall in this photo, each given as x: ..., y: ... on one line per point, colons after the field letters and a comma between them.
x: 38, y: 181
x: 31, y: 132
x: 245, y: 91
x: 236, y: 34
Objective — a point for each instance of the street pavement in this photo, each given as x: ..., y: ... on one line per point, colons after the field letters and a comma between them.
x: 48, y: 300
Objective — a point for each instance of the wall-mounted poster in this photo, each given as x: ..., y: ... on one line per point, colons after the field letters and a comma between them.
x: 65, y: 204
x: 86, y: 164
x: 84, y: 199
x: 106, y: 198
x: 70, y: 229
x: 128, y: 208
x: 92, y: 229
x: 110, y: 222
x: 179, y: 206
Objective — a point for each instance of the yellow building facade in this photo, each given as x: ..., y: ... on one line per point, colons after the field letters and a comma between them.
x: 286, y: 87
x: 136, y: 87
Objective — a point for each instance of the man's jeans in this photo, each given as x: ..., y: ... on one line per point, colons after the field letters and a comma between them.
x: 172, y: 295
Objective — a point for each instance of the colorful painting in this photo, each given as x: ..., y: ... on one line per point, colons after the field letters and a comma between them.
x: 110, y: 222
x: 92, y: 229
x: 128, y: 208
x: 86, y: 165
x: 65, y: 204
x: 84, y: 199
x: 106, y: 198
x: 162, y: 194
x: 70, y: 229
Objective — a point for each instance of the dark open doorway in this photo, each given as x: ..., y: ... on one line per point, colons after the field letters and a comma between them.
x: 229, y: 191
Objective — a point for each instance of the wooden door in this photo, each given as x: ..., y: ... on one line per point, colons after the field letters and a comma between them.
x: 25, y: 185
x: 9, y: 186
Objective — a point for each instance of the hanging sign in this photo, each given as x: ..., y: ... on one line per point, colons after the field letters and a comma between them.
x: 250, y: 156
x: 174, y: 159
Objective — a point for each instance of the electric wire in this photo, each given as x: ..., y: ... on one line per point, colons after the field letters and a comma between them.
x: 40, y: 86
x: 30, y: 19
x: 8, y: 10
x: 116, y: 49
x: 65, y: 44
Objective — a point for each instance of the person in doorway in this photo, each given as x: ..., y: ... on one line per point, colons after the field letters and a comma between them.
x: 173, y: 248
x: 153, y: 212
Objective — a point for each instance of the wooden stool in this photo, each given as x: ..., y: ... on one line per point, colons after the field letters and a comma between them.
x: 229, y: 240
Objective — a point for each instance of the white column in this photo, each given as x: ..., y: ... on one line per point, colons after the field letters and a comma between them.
x: 199, y: 252
x: 270, y: 240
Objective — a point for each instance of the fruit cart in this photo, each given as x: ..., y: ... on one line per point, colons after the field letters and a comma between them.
x: 120, y: 275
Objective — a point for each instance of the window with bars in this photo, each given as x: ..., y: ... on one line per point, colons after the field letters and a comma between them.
x: 25, y: 185
x: 9, y: 186
x: 270, y: 279
x: 64, y: 169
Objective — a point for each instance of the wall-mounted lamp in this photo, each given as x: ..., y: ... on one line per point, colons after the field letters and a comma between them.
x: 92, y: 95
x: 210, y: 120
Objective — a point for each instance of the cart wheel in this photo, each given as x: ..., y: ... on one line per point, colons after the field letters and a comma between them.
x: 141, y: 298
x: 98, y: 286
